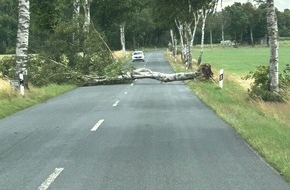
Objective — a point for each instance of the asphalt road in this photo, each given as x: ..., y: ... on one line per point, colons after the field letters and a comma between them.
x: 145, y: 135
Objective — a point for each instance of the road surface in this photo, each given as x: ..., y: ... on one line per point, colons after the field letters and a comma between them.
x: 146, y: 135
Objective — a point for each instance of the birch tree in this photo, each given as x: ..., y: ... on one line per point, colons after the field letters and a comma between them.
x: 122, y: 38
x: 87, y: 12
x: 76, y: 14
x: 180, y: 26
x: 22, y: 40
x: 274, y: 46
x: 205, y: 12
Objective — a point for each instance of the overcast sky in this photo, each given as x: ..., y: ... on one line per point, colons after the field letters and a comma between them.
x: 280, y: 4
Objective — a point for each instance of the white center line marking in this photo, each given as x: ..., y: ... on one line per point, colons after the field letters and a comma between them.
x: 116, y: 103
x: 132, y: 84
x: 98, y: 124
x: 45, y: 185
x: 125, y: 92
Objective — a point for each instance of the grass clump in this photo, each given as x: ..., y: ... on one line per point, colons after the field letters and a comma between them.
x: 11, y: 101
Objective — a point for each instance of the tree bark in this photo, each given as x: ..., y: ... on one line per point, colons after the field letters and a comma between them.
x: 87, y: 11
x: 122, y: 38
x: 252, y: 37
x: 210, y: 35
x: 172, y: 41
x: 22, y: 40
x: 142, y: 73
x: 204, y: 15
x: 175, y: 48
x: 76, y: 13
x: 223, y: 33
x: 180, y: 27
x: 274, y: 46
x: 189, y: 37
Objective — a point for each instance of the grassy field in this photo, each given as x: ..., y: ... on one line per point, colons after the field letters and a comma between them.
x: 245, y: 59
x: 265, y: 126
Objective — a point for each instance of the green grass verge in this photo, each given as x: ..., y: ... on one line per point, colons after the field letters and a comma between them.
x: 13, y: 102
x: 267, y: 135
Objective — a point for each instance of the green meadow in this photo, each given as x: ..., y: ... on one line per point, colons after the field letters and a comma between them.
x: 244, y: 59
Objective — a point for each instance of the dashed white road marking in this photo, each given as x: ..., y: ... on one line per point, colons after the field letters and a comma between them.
x: 116, y: 103
x: 125, y: 92
x: 98, y: 124
x: 132, y: 84
x: 45, y: 185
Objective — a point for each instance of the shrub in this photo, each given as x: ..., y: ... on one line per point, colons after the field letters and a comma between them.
x: 260, y: 88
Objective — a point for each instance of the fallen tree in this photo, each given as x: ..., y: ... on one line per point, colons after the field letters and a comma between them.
x: 44, y: 71
x: 144, y: 73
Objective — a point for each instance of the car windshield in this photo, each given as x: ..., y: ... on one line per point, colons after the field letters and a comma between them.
x: 137, y: 52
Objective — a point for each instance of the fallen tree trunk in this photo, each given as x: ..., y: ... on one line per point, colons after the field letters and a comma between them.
x: 142, y: 73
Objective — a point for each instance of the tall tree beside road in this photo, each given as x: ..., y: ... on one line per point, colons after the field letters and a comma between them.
x: 274, y: 46
x: 8, y: 23
x: 251, y: 18
x: 119, y: 13
x: 122, y: 38
x: 76, y: 14
x: 87, y: 12
x: 206, y: 10
x: 237, y: 25
x: 22, y: 38
x: 186, y: 15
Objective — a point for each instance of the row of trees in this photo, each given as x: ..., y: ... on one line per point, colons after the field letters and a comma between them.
x: 246, y: 23
x: 141, y: 22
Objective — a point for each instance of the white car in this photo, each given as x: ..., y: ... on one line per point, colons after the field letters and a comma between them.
x: 138, y: 56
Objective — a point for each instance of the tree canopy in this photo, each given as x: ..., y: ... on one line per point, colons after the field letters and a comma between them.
x: 147, y: 22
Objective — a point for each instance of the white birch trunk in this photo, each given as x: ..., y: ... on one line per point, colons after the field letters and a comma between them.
x: 22, y: 40
x: 181, y: 32
x: 189, y: 38
x: 122, y: 38
x: 143, y: 73
x: 76, y: 14
x: 175, y: 49
x: 76, y: 11
x: 210, y: 35
x: 274, y: 46
x: 87, y: 11
x: 204, y: 17
x: 192, y: 36
x: 171, y: 49
x: 223, y: 33
x: 252, y: 37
